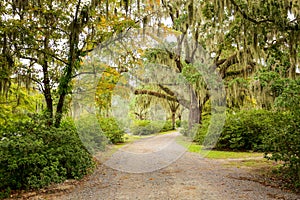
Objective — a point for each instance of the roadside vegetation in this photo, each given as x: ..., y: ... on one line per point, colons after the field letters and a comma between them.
x: 78, y: 75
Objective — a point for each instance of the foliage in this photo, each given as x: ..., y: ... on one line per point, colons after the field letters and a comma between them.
x: 246, y: 129
x: 147, y: 127
x: 112, y: 130
x: 185, y: 129
x: 207, y: 132
x: 201, y: 131
x: 105, y: 88
x: 167, y: 126
x: 283, y: 142
x: 242, y: 131
x: 91, y: 134
x: 34, y: 155
x: 178, y: 123
x: 44, y: 42
x: 17, y: 103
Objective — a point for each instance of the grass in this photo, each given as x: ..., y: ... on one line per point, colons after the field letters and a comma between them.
x: 249, y: 160
x: 227, y: 154
x: 214, y: 154
x: 253, y: 163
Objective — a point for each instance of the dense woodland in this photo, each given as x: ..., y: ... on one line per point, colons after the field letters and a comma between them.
x: 61, y: 61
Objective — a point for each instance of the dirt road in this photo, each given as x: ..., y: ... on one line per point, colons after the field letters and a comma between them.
x: 159, y: 168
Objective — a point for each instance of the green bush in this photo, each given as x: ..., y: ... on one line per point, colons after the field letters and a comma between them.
x: 200, y: 131
x: 111, y: 130
x: 184, y: 128
x: 33, y: 155
x: 283, y: 141
x: 245, y: 130
x: 144, y: 127
x: 91, y: 134
x: 167, y: 126
x: 205, y: 133
x: 147, y: 127
x: 283, y: 144
x: 178, y: 123
x: 242, y: 131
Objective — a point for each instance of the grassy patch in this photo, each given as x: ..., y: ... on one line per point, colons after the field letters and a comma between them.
x: 228, y: 154
x: 264, y: 171
x: 196, y: 148
x: 253, y: 163
x: 251, y: 160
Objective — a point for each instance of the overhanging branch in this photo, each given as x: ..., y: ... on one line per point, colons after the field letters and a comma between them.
x: 182, y: 102
x: 156, y: 94
x: 247, y: 17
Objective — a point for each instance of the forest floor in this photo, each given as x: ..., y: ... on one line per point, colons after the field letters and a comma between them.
x: 159, y: 168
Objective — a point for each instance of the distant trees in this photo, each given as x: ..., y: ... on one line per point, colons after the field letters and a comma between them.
x: 245, y: 41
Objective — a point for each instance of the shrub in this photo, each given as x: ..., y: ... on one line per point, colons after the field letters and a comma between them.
x: 111, y: 130
x: 167, y: 126
x: 283, y: 142
x: 242, y: 131
x: 144, y: 127
x: 91, y: 134
x: 178, y: 123
x: 207, y: 132
x: 245, y: 130
x: 33, y: 155
x: 147, y: 127
x: 200, y: 131
x: 184, y: 128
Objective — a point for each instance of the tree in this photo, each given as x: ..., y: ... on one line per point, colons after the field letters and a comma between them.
x: 53, y: 37
x: 260, y: 38
x: 184, y: 57
x: 103, y: 97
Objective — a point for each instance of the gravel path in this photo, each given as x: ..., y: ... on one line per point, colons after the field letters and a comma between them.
x: 147, y: 155
x: 156, y: 172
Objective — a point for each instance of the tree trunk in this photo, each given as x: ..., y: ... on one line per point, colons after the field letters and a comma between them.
x: 66, y: 78
x: 194, y: 110
x: 173, y: 120
x: 179, y: 119
x: 194, y: 116
x: 47, y: 94
x: 63, y: 91
x: 46, y: 82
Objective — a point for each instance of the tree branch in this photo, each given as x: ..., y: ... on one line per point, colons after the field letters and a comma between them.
x: 167, y: 90
x: 156, y: 94
x: 183, y: 102
x: 249, y: 68
x: 45, y: 52
x: 245, y: 15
